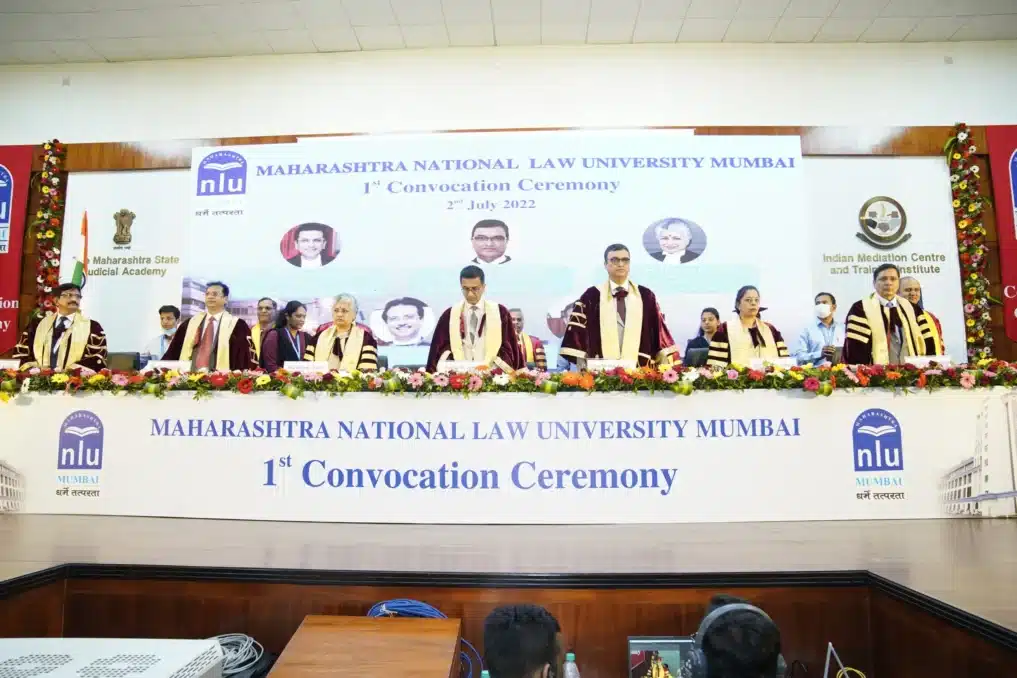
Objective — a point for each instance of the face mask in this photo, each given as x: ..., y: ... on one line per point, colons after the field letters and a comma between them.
x: 822, y: 311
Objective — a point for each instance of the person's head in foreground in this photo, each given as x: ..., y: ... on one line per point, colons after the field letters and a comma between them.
x: 739, y: 642
x: 522, y: 641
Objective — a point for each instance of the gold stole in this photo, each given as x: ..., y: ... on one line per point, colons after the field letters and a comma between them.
x: 740, y: 342
x: 609, y: 324
x: 491, y: 336
x: 527, y: 347
x: 256, y: 340
x: 72, y: 341
x: 351, y: 353
x: 937, y: 341
x: 911, y: 332
x: 227, y: 323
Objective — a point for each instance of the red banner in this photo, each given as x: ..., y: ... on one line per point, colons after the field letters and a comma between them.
x: 1003, y: 163
x: 15, y: 170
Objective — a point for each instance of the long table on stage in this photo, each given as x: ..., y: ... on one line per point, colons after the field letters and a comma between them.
x: 938, y: 591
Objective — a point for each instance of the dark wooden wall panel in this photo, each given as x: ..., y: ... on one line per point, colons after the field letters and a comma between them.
x: 596, y: 622
x: 907, y: 643
x: 34, y: 613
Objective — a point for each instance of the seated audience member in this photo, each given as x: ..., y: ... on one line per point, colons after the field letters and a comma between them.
x: 911, y: 290
x: 286, y: 342
x: 884, y: 328
x: 709, y: 320
x: 64, y: 340
x: 213, y: 339
x: 746, y: 336
x: 522, y: 641
x: 169, y: 316
x: 823, y: 335
x: 345, y: 345
x: 738, y: 640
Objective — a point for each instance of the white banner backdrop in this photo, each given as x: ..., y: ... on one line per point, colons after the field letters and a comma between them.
x: 905, y: 203
x: 521, y: 458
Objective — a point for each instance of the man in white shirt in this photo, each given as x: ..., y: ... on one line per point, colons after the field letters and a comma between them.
x: 312, y: 240
x: 822, y: 336
x: 169, y: 316
x: 490, y: 239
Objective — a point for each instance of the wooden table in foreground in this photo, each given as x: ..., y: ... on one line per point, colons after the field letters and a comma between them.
x: 369, y: 647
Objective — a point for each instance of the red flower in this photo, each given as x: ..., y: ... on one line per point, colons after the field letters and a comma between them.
x: 756, y: 375
x: 457, y: 381
x: 922, y: 380
x: 245, y: 386
x: 811, y: 384
x: 876, y: 370
x: 625, y: 379
x: 327, y: 378
x: 136, y: 379
x: 218, y: 380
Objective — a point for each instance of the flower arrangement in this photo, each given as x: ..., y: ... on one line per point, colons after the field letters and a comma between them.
x: 48, y: 226
x: 968, y: 206
x: 679, y: 380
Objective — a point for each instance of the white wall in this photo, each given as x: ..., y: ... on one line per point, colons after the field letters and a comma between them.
x: 612, y: 86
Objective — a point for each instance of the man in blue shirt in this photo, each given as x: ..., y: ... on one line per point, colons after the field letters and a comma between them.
x: 822, y: 336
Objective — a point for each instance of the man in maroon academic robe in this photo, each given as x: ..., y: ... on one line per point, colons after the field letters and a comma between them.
x: 214, y: 340
x: 64, y: 340
x: 475, y: 329
x: 618, y: 320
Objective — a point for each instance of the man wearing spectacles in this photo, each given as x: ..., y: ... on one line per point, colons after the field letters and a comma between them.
x: 64, y: 340
x: 618, y: 320
x: 313, y: 242
x: 490, y: 238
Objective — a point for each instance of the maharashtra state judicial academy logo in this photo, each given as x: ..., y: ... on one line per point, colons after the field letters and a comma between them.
x: 878, y: 445
x: 883, y: 221
x: 222, y: 173
x: 79, y: 455
x: 6, y: 202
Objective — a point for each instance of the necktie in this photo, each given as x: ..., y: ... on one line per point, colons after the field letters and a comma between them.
x: 58, y: 331
x: 619, y: 299
x: 204, y: 358
x: 474, y: 324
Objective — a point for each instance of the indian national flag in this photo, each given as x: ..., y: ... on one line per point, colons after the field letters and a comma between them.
x: 81, y: 266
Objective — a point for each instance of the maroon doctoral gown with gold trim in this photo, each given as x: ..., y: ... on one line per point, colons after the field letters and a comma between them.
x: 238, y: 347
x: 82, y: 345
x: 583, y: 334
x: 508, y: 355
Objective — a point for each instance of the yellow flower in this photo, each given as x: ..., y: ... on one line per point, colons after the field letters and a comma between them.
x: 838, y: 367
x: 45, y: 190
x: 38, y: 215
x: 972, y: 207
x: 262, y: 380
x: 963, y: 184
x: 971, y: 323
x: 956, y: 203
x: 96, y: 379
x: 194, y: 377
x: 974, y: 276
x: 956, y: 156
x: 983, y: 362
x: 963, y: 223
x: 45, y: 175
x: 4, y: 396
x: 49, y: 234
x: 799, y: 376
x: 971, y: 340
x: 736, y: 366
x: 59, y: 378
x: 972, y: 290
x: 981, y: 333
x: 171, y: 374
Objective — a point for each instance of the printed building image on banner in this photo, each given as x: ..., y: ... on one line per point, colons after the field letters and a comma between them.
x: 15, y: 172
x: 136, y: 239
x: 393, y: 219
x: 578, y: 458
x: 868, y: 211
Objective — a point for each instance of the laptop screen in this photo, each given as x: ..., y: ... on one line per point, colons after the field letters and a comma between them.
x: 657, y: 656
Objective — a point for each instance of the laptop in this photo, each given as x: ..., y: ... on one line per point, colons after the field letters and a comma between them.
x: 658, y: 656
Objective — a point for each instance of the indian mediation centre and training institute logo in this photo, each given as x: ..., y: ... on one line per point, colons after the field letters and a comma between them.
x: 883, y: 222
x: 79, y: 455
x: 878, y: 455
x: 6, y: 207
x: 222, y: 173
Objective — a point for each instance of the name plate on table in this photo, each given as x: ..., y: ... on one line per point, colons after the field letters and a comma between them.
x: 598, y: 365
x: 306, y: 366
x: 460, y: 365
x: 782, y: 363
x: 927, y: 360
x: 9, y: 364
x: 178, y: 365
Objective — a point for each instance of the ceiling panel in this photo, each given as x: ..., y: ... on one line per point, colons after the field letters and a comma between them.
x: 69, y: 31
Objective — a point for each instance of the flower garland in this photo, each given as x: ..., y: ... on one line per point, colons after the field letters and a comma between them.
x: 48, y: 226
x: 679, y: 380
x: 968, y: 206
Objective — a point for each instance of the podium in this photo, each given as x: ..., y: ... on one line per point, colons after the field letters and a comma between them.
x: 371, y: 647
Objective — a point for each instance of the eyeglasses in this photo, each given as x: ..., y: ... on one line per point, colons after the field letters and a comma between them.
x: 484, y: 239
x: 70, y: 295
x: 617, y: 261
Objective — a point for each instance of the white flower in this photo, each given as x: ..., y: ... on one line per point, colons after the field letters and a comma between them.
x: 691, y: 375
x: 963, y: 136
x: 500, y: 379
x: 24, y: 385
x: 974, y: 169
x: 47, y: 289
x: 56, y: 181
x: 39, y: 279
x: 972, y: 149
x: 954, y: 178
x: 56, y: 250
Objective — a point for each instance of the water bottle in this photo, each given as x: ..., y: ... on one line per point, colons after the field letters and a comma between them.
x: 571, y: 670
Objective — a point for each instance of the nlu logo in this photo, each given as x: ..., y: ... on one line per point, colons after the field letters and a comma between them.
x: 222, y: 173
x: 876, y: 438
x: 6, y: 195
x: 81, y: 437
